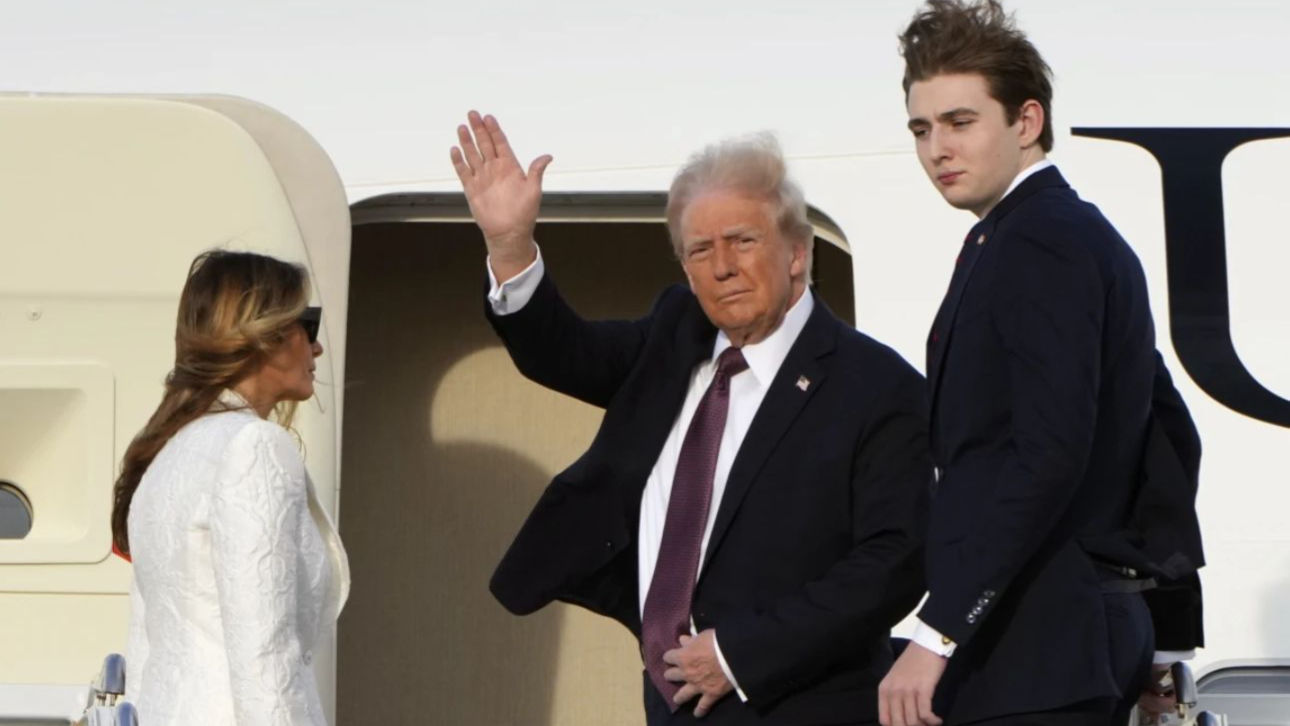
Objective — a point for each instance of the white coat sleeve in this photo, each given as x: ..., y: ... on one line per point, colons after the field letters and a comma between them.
x: 258, y: 511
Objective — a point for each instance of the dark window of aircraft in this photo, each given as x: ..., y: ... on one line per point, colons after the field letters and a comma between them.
x: 15, y: 512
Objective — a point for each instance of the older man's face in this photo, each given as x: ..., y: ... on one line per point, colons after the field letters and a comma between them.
x: 744, y: 273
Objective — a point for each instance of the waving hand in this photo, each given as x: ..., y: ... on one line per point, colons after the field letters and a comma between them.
x: 503, y: 199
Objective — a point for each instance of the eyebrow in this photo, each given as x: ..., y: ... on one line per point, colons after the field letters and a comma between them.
x: 727, y: 233
x: 738, y: 230
x: 943, y: 117
x: 955, y: 113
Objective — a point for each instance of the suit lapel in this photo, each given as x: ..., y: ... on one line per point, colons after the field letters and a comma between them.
x: 787, y: 396
x: 938, y: 341
x: 337, y: 559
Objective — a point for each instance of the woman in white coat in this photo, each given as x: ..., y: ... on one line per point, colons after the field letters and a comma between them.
x: 238, y: 571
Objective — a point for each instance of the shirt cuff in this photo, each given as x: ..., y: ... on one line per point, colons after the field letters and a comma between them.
x: 1169, y: 657
x: 931, y: 639
x: 511, y: 296
x: 725, y: 668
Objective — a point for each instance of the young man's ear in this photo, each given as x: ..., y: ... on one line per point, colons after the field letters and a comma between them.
x: 1031, y: 118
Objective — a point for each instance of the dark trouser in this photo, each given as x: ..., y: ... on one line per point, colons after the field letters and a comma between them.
x: 1132, y: 644
x: 1089, y: 713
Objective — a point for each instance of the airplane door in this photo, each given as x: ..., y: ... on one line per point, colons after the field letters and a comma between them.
x: 104, y: 201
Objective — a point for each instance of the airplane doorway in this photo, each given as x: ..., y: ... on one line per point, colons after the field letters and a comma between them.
x: 446, y: 449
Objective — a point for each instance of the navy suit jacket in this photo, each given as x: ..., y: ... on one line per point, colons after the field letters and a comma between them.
x: 817, y: 544
x: 1041, y: 365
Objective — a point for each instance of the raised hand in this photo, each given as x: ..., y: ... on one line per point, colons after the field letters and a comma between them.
x: 503, y: 199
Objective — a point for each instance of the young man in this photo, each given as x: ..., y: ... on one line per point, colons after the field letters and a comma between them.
x: 1041, y: 365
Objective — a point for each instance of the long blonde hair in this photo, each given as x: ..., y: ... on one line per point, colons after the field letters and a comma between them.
x: 235, y: 310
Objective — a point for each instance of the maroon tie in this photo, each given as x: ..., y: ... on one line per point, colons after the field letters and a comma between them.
x: 667, y: 607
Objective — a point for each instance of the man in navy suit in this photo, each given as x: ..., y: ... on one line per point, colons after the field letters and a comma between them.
x: 1041, y: 364
x: 753, y: 504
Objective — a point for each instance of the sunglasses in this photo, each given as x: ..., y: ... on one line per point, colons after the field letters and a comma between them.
x: 311, y: 320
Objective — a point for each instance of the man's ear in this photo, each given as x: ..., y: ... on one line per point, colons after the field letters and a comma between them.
x: 801, y: 254
x: 1030, y: 119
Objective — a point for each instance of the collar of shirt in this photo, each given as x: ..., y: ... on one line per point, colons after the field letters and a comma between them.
x: 1026, y: 173
x: 765, y: 358
x: 230, y: 399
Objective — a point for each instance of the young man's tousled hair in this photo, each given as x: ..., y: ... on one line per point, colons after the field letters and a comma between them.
x: 960, y: 36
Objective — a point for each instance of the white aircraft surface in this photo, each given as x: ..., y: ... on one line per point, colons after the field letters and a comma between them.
x: 127, y: 145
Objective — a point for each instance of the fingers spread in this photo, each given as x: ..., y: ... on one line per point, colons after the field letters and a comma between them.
x: 501, y: 144
x: 672, y: 657
x: 482, y: 137
x: 536, y: 170
x: 459, y: 165
x: 675, y: 675
x: 687, y: 692
x: 468, y: 148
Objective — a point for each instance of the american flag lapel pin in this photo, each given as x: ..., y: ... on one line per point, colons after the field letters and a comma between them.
x: 803, y: 383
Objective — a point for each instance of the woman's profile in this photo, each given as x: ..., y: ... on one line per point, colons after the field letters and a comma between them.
x: 238, y: 571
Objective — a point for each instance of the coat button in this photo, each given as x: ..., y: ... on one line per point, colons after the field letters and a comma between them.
x: 609, y: 545
x: 308, y: 658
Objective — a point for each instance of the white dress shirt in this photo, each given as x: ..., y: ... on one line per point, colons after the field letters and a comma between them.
x: 931, y: 638
x: 1023, y: 175
x: 747, y: 389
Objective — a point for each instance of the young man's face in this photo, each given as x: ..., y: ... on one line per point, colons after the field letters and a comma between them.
x: 964, y: 141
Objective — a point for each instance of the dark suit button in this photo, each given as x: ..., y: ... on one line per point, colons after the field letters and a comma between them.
x: 989, y: 594
x: 609, y: 544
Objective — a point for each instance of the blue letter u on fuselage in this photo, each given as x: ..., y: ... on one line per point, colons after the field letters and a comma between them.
x: 1191, y: 166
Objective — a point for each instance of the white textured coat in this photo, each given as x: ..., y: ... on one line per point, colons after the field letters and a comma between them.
x: 238, y: 572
